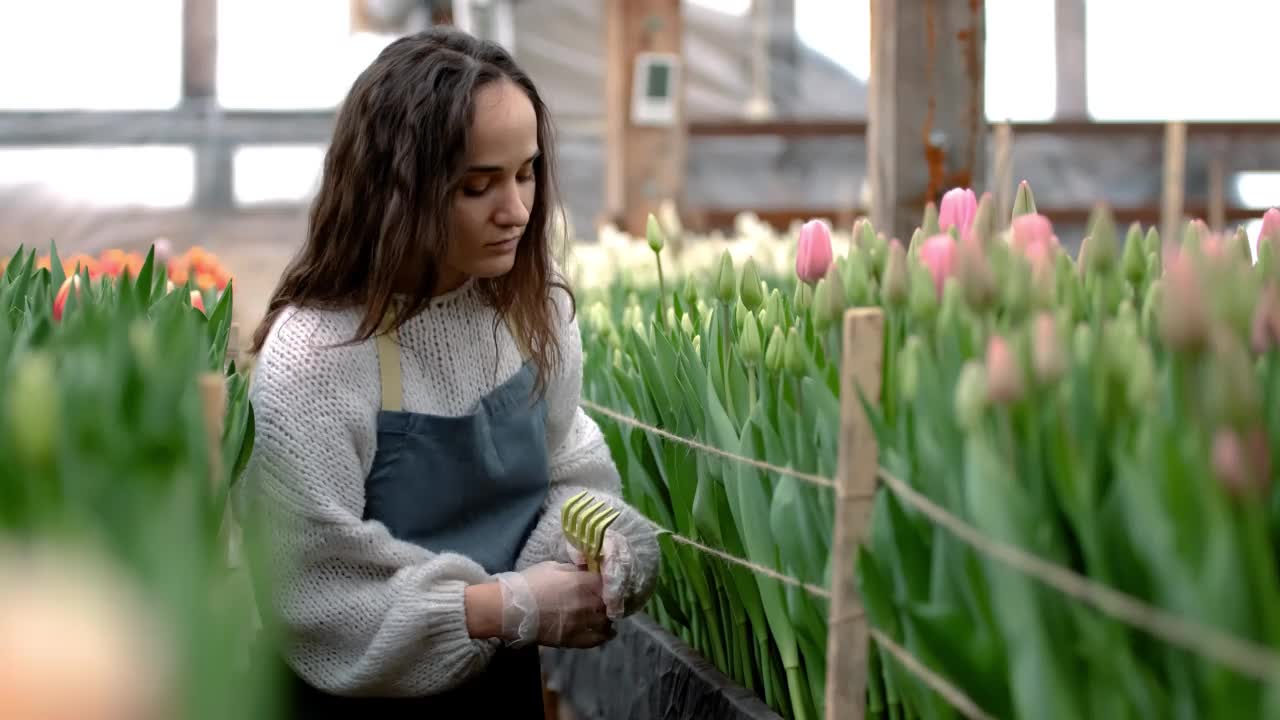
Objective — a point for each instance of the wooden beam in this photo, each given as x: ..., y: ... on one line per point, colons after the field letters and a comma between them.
x: 927, y: 121
x: 1069, y: 46
x: 199, y: 50
x: 1174, y: 180
x: 645, y: 165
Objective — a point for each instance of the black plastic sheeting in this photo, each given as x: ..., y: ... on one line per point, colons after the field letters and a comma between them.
x: 646, y: 673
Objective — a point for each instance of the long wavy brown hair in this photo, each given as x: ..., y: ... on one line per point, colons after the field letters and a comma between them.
x: 379, y: 224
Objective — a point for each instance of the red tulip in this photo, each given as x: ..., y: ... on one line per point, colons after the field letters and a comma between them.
x: 197, y: 300
x: 938, y: 254
x: 813, y: 256
x: 959, y: 207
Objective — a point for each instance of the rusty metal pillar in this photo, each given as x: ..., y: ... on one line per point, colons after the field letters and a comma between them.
x: 927, y: 125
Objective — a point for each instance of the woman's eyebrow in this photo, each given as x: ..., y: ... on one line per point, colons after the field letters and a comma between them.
x: 499, y: 168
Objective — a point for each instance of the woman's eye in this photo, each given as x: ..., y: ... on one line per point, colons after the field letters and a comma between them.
x: 472, y: 191
x: 525, y: 178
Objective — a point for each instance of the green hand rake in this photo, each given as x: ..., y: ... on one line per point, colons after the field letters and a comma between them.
x: 584, y: 520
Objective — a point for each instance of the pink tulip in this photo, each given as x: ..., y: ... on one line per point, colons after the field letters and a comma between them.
x: 938, y: 254
x: 1033, y: 237
x: 1270, y: 227
x: 813, y: 256
x: 1004, y: 377
x: 959, y: 207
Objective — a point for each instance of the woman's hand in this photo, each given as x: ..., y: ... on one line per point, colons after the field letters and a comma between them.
x: 618, y: 572
x: 553, y: 604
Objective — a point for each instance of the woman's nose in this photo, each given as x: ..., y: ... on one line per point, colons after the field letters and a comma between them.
x: 512, y: 210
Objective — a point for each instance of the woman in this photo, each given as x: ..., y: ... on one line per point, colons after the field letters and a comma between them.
x: 416, y: 397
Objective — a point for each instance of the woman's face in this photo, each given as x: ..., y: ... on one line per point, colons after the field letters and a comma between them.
x: 492, y: 207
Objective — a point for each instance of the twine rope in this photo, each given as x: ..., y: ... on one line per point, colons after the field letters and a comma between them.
x: 953, y: 695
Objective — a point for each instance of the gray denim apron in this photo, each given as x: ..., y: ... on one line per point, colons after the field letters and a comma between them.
x: 473, y: 485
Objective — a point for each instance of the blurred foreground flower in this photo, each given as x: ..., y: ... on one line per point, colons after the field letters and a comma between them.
x: 76, y: 642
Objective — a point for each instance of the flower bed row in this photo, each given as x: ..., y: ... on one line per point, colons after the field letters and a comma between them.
x: 1112, y: 413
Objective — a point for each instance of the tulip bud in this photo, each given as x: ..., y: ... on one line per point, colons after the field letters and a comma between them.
x: 813, y: 254
x: 690, y: 293
x: 686, y: 325
x: 1233, y: 389
x: 959, y: 208
x: 793, y: 354
x: 749, y: 344
x: 1016, y: 292
x: 857, y: 278
x: 1103, y: 245
x: 923, y: 299
x: 618, y: 359
x: 1044, y: 290
x: 929, y: 223
x: 1153, y: 266
x: 726, y: 279
x: 976, y: 277
x: 1242, y: 462
x: 1048, y: 357
x: 1184, y: 322
x: 32, y: 401
x: 866, y: 235
x: 774, y: 353
x: 750, y: 289
x: 909, y: 368
x: 803, y: 299
x: 1238, y: 245
x: 895, y: 276
x: 1024, y: 202
x: 917, y: 238
x: 1151, y: 303
x: 1140, y: 383
x: 1264, y: 331
x: 1134, y: 259
x: 938, y: 254
x: 60, y: 300
x: 654, y: 234
x: 820, y: 319
x: 1152, y: 242
x: 774, y: 307
x: 879, y: 256
x: 830, y: 310
x: 1082, y: 344
x: 697, y: 346
x: 971, y: 394
x: 1004, y: 375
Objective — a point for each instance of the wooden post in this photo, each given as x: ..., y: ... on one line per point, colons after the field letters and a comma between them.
x: 1217, y: 186
x: 855, y: 482
x: 1175, y: 167
x: 644, y: 164
x: 927, y: 124
x: 1002, y: 172
x: 1072, y: 72
x: 213, y: 396
x: 199, y: 49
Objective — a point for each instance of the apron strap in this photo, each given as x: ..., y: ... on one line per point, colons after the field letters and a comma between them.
x: 388, y: 346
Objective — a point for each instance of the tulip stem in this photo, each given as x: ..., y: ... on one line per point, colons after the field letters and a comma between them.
x: 662, y: 291
x: 727, y: 333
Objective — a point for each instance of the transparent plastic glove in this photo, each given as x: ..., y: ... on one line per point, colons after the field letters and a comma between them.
x: 619, y: 574
x: 553, y: 604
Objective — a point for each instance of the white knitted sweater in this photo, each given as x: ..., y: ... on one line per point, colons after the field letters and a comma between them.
x: 364, y: 613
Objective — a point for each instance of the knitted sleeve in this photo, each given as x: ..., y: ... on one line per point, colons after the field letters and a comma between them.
x: 580, y: 460
x: 362, y: 613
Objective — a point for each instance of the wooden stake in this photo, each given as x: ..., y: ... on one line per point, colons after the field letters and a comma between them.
x: 855, y: 482
x: 1175, y: 167
x: 213, y: 395
x: 1003, y: 171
